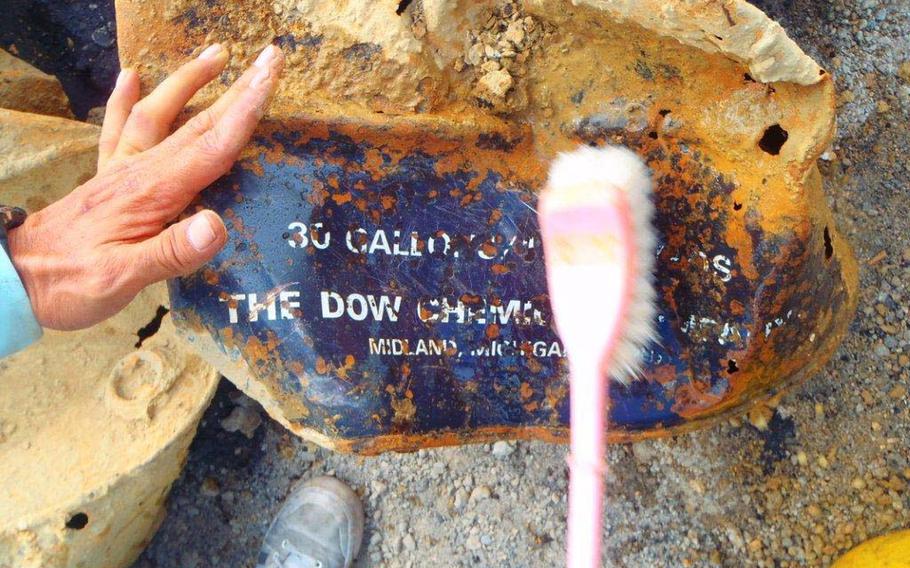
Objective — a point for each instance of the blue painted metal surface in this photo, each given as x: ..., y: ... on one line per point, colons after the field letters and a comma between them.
x: 388, y: 290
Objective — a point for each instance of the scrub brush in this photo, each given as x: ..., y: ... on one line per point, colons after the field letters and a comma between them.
x: 596, y: 222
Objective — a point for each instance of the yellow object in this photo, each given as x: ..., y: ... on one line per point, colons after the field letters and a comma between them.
x: 889, y: 551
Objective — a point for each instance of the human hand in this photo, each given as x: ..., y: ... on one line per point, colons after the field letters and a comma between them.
x: 85, y: 257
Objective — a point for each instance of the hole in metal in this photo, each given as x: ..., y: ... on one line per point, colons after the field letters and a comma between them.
x: 829, y: 248
x: 152, y: 327
x: 402, y: 6
x: 773, y: 139
x: 77, y: 522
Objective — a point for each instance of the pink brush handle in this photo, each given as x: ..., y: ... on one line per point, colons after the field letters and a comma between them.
x: 586, y: 463
x: 591, y: 332
x: 591, y: 241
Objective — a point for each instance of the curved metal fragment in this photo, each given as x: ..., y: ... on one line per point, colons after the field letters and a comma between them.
x: 384, y: 287
x: 95, y: 425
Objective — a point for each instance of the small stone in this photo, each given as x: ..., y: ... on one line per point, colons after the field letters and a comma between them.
x: 846, y: 97
x: 515, y: 34
x: 103, y: 36
x: 858, y: 483
x: 210, y: 487
x: 480, y: 493
x: 898, y: 392
x: 409, y: 542
x: 904, y: 71
x: 490, y: 65
x: 883, y: 107
x: 473, y: 543
x: 801, y: 458
x: 760, y: 416
x: 461, y: 496
x: 496, y: 83
x: 474, y: 55
x: 823, y: 462
x: 903, y: 360
x: 242, y: 419
x: 502, y: 449
x: 643, y: 451
x: 375, y: 539
x: 377, y: 487
x: 26, y: 89
x: 394, y: 544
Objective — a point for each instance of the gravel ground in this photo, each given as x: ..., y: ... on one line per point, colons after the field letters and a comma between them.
x: 830, y: 470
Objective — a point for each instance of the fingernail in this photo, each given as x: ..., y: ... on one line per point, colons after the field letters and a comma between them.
x: 121, y: 77
x: 265, y: 58
x: 211, y: 52
x: 200, y: 233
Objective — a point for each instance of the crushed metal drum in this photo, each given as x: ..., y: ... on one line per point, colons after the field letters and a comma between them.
x: 94, y: 425
x: 26, y: 89
x: 43, y: 157
x: 383, y: 287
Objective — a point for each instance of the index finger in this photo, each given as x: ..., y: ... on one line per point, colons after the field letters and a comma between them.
x: 206, y: 149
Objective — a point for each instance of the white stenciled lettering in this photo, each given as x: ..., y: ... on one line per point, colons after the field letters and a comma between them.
x: 285, y: 299
x: 450, y: 310
x: 332, y: 305
x: 723, y: 266
x: 300, y: 238
x: 384, y: 307
x: 380, y: 243
x: 278, y: 303
x: 705, y: 329
x: 412, y: 348
x: 233, y: 302
x: 411, y: 248
x: 349, y: 241
x: 359, y: 307
x: 255, y: 306
x: 443, y: 248
x: 304, y: 236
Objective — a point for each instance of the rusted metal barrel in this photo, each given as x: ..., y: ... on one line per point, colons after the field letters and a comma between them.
x: 94, y: 425
x: 383, y: 287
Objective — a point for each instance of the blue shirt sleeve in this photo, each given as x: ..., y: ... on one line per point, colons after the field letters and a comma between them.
x: 18, y: 326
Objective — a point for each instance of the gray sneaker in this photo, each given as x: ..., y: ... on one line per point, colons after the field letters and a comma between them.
x: 320, y: 525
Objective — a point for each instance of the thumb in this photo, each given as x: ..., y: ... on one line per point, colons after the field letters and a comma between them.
x: 182, y: 248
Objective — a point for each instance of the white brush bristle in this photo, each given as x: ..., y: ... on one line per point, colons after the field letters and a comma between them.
x: 616, y: 171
